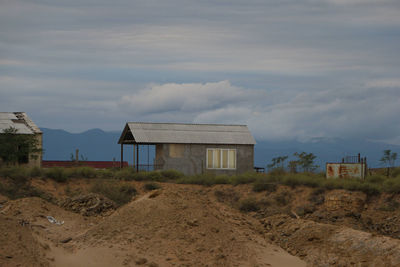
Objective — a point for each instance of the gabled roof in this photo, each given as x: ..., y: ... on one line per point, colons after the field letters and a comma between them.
x: 183, y: 133
x: 19, y: 121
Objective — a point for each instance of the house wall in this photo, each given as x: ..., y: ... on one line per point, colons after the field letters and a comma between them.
x: 191, y: 158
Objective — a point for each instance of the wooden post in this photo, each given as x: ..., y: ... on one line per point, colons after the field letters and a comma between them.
x: 134, y: 160
x: 137, y: 158
x: 122, y: 156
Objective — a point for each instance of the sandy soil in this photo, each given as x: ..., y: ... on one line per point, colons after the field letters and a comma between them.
x: 179, y: 225
x: 190, y: 225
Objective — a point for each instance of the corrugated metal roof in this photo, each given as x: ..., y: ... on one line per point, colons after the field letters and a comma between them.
x: 180, y: 133
x: 18, y: 120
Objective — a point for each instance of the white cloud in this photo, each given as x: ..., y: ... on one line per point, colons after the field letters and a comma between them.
x: 187, y: 97
x: 299, y: 115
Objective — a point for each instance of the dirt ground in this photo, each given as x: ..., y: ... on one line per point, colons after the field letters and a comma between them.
x: 190, y: 225
x: 178, y: 225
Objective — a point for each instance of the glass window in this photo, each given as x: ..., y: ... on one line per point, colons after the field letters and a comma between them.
x: 221, y: 158
x: 210, y: 158
x: 224, y: 159
x: 232, y: 159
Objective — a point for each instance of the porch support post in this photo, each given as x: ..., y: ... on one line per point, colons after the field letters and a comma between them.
x: 137, y: 158
x: 134, y: 160
x: 122, y: 156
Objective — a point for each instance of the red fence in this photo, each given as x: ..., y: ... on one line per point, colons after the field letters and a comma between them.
x: 93, y: 164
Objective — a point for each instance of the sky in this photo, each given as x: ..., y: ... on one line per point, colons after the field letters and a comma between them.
x: 290, y: 70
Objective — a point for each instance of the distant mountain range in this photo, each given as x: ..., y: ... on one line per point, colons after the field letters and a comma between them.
x: 96, y: 144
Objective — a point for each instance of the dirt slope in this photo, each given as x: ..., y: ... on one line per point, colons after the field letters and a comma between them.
x: 179, y: 225
x: 330, y: 245
x: 189, y: 225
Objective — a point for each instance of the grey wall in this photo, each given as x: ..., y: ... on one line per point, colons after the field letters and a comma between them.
x: 193, y: 159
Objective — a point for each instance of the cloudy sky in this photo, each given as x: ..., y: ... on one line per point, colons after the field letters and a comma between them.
x: 289, y: 69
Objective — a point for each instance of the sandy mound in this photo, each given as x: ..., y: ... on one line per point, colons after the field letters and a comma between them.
x: 329, y: 245
x: 18, y: 246
x: 183, y: 226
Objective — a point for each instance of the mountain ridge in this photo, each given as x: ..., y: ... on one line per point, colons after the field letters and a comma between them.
x: 97, y: 144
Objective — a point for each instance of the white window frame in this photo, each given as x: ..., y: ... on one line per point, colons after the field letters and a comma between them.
x: 214, y: 151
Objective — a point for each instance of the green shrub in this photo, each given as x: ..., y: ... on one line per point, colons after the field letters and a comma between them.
x: 18, y: 174
x: 151, y: 186
x: 375, y: 179
x: 105, y: 174
x: 58, y: 174
x: 245, y: 178
x: 86, y: 172
x: 117, y: 192
x: 277, y: 172
x: 14, y: 190
x: 171, y: 174
x: 126, y: 174
x: 264, y: 185
x: 370, y: 189
x: 200, y: 179
x: 396, y: 172
x: 392, y: 185
x: 249, y: 204
x: 309, y: 180
x: 154, y: 176
x: 331, y: 184
x: 35, y: 172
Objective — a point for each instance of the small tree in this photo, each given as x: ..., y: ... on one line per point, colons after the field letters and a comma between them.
x: 277, y: 162
x: 388, y: 159
x: 305, y: 161
x: 18, y: 148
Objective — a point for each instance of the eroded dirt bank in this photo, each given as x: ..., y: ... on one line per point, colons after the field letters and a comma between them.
x: 189, y: 225
x: 178, y: 225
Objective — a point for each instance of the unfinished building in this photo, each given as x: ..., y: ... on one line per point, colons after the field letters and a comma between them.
x: 23, y: 125
x: 193, y: 148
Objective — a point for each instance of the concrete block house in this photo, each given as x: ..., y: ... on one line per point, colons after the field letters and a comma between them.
x: 193, y: 148
x: 24, y: 125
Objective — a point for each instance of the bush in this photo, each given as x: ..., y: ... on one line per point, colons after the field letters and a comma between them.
x: 15, y: 190
x: 392, y: 185
x: 249, y: 204
x: 303, y: 179
x: 396, y: 172
x: 264, y: 185
x: 105, y: 174
x: 245, y: 178
x: 58, y: 174
x: 117, y: 192
x: 36, y: 172
x: 151, y: 186
x: 277, y: 172
x: 375, y: 179
x: 19, y: 175
x: 154, y: 176
x: 126, y: 174
x: 171, y: 174
x: 201, y: 179
x: 86, y: 172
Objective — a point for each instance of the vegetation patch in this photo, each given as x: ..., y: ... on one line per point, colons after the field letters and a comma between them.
x: 248, y: 204
x: 120, y: 193
x: 151, y: 186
